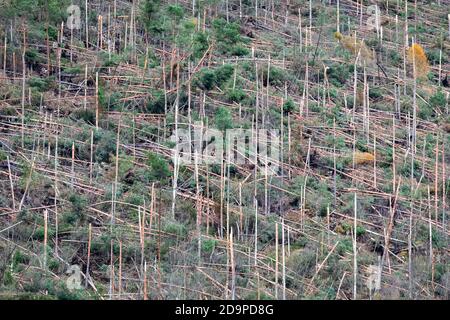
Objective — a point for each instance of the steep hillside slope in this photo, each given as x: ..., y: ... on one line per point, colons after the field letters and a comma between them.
x: 351, y: 202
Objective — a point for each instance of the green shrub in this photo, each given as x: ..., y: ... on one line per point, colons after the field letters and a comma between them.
x: 200, y: 44
x: 344, y: 246
x: 87, y: 115
x: 156, y: 104
x: 228, y: 37
x: 288, y: 106
x: 32, y: 57
x: 110, y: 60
x: 302, y: 262
x: 206, y: 79
x: 106, y: 145
x: 3, y: 155
x: 19, y: 258
x: 176, y: 228
x: 176, y: 12
x: 208, y: 245
x: 77, y: 208
x: 375, y: 93
x: 39, y: 234
x: 151, y: 17
x: 236, y: 95
x: 73, y: 70
x: 102, y: 246
x: 159, y: 169
x: 40, y: 84
x: 277, y: 76
x: 239, y: 50
x: 223, y: 73
x: 339, y: 73
x: 438, y: 100
x: 223, y: 119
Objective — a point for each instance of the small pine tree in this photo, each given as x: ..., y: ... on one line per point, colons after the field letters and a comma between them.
x: 223, y: 119
x: 151, y: 17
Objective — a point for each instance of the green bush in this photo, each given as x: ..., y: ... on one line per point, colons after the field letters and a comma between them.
x: 223, y: 119
x: 200, y: 44
x: 236, y: 95
x: 375, y: 93
x: 288, y: 106
x: 159, y: 169
x: 302, y: 262
x: 151, y: 17
x: 106, y: 145
x: 87, y: 115
x: 438, y: 100
x: 208, y: 245
x: 32, y: 57
x: 205, y: 80
x: 39, y: 234
x: 55, y: 10
x: 344, y: 246
x: 73, y: 70
x: 277, y: 76
x: 176, y: 228
x: 3, y: 155
x: 156, y: 104
x: 223, y: 73
x: 208, y: 79
x: 40, y: 84
x: 76, y: 209
x: 102, y: 246
x: 339, y: 73
x: 228, y: 37
x: 175, y: 12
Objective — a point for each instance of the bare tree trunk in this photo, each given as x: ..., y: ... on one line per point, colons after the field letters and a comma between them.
x: 436, y: 180
x: 86, y: 26
x: 276, y: 260
x: 72, y: 171
x: 56, y: 195
x: 337, y: 17
x: 111, y: 268
x: 233, y: 271
x: 283, y: 259
x: 96, y: 101
x: 91, y: 158
x: 5, y: 54
x: 116, y: 174
x: 88, y: 262
x: 120, y: 269
x: 241, y: 214
x: 176, y: 157
x: 45, y: 237
x: 11, y: 184
x: 430, y: 229
x: 410, y: 271
x: 23, y: 88
x: 355, y: 253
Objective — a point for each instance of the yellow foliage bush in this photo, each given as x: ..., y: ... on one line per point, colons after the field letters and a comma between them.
x: 354, y: 46
x: 416, y: 54
x: 194, y: 21
x: 363, y: 157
